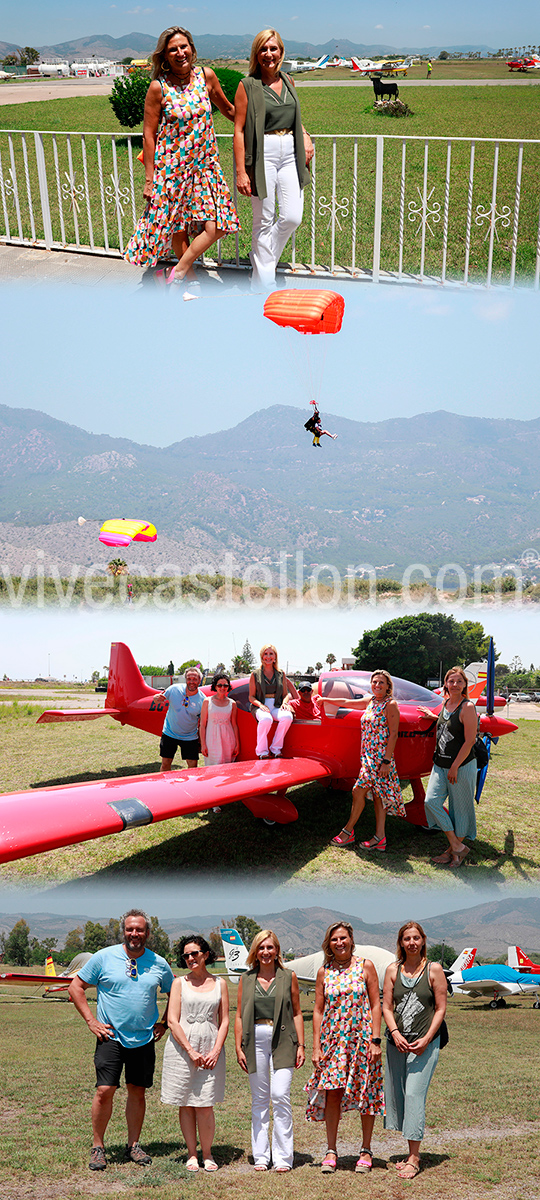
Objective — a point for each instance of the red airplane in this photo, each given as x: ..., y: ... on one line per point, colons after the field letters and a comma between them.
x: 524, y: 64
x: 521, y: 961
x: 327, y: 749
x: 33, y: 979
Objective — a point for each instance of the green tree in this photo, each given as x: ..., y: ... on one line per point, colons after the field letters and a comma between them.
x: 159, y: 939
x: 229, y: 81
x: 412, y: 647
x: 114, y: 932
x: 10, y: 60
x: 318, y: 666
x: 117, y: 566
x: 151, y: 670
x: 28, y: 56
x: 449, y: 954
x: 17, y: 947
x: 190, y: 662
x: 39, y: 951
x: 247, y: 653
x: 215, y: 942
x: 74, y: 942
x: 247, y: 928
x: 95, y: 937
x: 128, y: 97
x: 330, y: 658
x: 444, y: 55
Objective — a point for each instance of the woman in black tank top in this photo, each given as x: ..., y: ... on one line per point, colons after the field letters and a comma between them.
x: 453, y: 778
x: 414, y: 1004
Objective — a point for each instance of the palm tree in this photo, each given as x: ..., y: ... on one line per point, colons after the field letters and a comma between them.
x: 117, y: 566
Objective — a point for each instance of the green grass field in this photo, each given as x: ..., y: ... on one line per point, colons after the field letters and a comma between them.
x: 481, y: 1137
x: 507, y: 849
x: 444, y: 112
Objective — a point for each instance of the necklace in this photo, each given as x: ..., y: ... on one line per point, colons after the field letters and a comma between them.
x: 181, y: 79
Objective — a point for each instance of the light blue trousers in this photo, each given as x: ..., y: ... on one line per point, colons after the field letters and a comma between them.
x: 406, y: 1081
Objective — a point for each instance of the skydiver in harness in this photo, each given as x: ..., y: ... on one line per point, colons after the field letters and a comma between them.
x: 314, y: 426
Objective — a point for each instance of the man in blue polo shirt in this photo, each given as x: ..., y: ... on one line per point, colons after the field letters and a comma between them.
x: 126, y: 1025
x: 181, y: 724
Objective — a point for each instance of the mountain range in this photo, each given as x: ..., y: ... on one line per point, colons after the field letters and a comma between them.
x: 434, y: 488
x: 210, y: 45
x: 491, y: 927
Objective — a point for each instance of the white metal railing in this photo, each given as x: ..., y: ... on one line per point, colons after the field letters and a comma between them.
x: 434, y: 209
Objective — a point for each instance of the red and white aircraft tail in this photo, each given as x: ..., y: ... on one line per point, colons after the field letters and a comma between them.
x: 464, y: 960
x: 521, y: 961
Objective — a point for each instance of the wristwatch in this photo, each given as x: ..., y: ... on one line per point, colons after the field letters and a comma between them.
x: 376, y: 1041
x: 386, y: 761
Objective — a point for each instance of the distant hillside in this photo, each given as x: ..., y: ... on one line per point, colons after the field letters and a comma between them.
x: 434, y: 488
x: 213, y: 45
x: 490, y: 927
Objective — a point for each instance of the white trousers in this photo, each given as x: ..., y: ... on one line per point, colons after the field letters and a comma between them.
x: 269, y: 1085
x: 264, y: 724
x: 269, y: 236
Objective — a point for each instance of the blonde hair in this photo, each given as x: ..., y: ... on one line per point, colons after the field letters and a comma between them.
x: 328, y: 956
x: 457, y: 671
x: 262, y: 936
x: 258, y: 42
x: 389, y: 681
x: 160, y: 67
x: 269, y: 646
x: 400, y: 953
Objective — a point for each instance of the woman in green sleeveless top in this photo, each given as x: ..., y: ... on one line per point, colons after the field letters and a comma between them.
x: 414, y: 1004
x: 453, y: 777
x: 269, y: 1038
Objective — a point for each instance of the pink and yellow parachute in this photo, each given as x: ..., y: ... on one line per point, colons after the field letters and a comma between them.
x: 122, y: 532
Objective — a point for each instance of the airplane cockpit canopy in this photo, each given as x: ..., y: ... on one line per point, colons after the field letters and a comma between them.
x: 354, y: 685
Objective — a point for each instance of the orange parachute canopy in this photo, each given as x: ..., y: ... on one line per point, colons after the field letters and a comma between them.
x: 308, y: 312
x: 122, y: 532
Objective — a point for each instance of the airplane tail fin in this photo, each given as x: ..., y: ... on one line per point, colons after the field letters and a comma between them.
x: 518, y: 959
x: 476, y: 673
x: 235, y: 952
x: 49, y: 966
x: 323, y: 61
x: 126, y: 683
x: 464, y: 960
x: 354, y: 64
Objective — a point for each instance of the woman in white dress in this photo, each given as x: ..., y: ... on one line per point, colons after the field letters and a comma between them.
x: 219, y: 725
x: 194, y: 1059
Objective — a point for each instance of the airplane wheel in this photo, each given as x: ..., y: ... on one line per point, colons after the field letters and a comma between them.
x: 536, y: 1004
x: 501, y: 1003
x: 493, y: 1004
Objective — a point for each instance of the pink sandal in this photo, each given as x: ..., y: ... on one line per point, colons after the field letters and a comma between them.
x: 329, y: 1162
x: 365, y: 1163
x: 340, y: 840
x: 374, y: 844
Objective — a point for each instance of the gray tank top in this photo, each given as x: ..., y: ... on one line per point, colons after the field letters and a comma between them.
x: 414, y: 1004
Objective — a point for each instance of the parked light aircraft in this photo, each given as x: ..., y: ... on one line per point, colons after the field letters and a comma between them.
x: 521, y: 962
x: 495, y: 980
x: 306, y: 967
x: 381, y: 66
x: 524, y: 64
x: 32, y: 979
x: 327, y: 750
x: 340, y: 62
x: 297, y: 67
x: 8, y: 74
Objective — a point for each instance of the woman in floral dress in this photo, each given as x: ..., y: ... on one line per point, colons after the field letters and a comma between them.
x: 378, y: 775
x: 189, y: 205
x: 346, y: 1044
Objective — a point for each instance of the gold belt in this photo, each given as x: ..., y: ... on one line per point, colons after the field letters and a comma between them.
x: 279, y: 132
x: 263, y: 1021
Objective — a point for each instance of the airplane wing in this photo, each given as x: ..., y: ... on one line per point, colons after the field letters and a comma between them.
x: 51, y: 716
x: 46, y: 818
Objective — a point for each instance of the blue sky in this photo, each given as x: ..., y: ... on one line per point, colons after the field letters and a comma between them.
x: 125, y: 363
x: 420, y: 22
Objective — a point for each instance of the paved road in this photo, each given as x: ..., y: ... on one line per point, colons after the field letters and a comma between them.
x: 53, y: 89
x: 62, y: 89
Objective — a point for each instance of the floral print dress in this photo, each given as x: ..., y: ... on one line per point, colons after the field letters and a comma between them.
x: 375, y: 734
x: 188, y: 186
x: 346, y: 1031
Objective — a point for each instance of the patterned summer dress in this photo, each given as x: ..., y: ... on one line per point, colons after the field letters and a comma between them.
x: 375, y: 736
x: 188, y: 186
x: 346, y: 1031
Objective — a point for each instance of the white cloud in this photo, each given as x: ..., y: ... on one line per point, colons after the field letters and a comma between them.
x: 426, y: 26
x: 379, y: 27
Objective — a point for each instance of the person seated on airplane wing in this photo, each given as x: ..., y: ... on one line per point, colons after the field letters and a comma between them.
x: 306, y: 708
x: 269, y: 691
